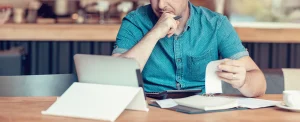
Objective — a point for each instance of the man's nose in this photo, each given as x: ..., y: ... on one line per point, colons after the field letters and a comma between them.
x: 162, y: 4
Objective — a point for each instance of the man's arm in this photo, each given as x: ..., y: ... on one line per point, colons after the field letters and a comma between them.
x: 141, y: 52
x: 244, y: 75
x: 239, y: 69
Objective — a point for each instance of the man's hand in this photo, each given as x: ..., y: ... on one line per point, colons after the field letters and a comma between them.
x: 166, y: 25
x: 233, y: 72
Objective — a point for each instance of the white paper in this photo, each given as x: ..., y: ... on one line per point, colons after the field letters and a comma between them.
x: 256, y: 103
x: 213, y: 83
x: 167, y: 103
x: 138, y: 103
x: 208, y: 103
x: 95, y: 101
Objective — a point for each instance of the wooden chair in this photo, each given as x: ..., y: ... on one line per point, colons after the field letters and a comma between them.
x: 12, y: 61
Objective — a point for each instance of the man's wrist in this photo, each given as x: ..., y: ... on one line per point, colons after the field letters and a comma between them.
x: 154, y: 34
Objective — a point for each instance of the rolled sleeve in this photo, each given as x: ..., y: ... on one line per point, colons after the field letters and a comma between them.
x: 119, y: 50
x: 128, y: 36
x: 239, y: 55
x: 229, y: 43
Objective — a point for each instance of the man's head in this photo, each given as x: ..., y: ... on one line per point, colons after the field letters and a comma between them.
x: 176, y: 7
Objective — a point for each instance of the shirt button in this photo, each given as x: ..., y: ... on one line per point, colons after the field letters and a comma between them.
x: 178, y: 59
x: 179, y: 78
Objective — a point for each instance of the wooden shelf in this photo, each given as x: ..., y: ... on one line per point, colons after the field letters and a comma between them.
x: 268, y: 32
x: 257, y: 35
x: 58, y: 32
x: 107, y: 33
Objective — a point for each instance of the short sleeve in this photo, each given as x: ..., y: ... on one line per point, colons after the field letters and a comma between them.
x: 128, y: 36
x: 229, y: 44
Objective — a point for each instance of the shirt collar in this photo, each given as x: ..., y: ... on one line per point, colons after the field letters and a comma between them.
x: 191, y: 17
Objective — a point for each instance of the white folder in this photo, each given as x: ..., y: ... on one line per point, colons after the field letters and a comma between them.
x: 97, y: 101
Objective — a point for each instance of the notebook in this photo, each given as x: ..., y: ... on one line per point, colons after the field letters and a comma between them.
x: 188, y: 110
x: 208, y: 103
x: 199, y: 104
x: 173, y: 94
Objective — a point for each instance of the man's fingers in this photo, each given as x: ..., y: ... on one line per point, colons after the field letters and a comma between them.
x: 231, y: 82
x: 177, y: 22
x: 230, y: 68
x: 226, y: 80
x: 165, y: 14
x: 171, y: 32
x: 229, y: 76
x: 173, y: 29
x: 170, y: 15
x: 233, y: 79
x: 225, y: 75
x: 167, y: 21
x: 170, y: 35
x: 232, y: 63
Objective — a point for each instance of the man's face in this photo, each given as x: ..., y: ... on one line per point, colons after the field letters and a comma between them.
x: 175, y: 7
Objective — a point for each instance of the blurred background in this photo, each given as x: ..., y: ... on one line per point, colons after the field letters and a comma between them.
x: 41, y: 36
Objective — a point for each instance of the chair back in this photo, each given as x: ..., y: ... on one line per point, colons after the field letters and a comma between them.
x: 36, y: 85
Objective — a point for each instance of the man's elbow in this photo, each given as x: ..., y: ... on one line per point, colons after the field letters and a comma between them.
x: 255, y: 94
x: 263, y: 87
x: 259, y: 91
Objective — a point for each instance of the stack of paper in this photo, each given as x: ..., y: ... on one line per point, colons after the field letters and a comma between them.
x: 208, y: 103
x: 216, y: 103
x: 256, y: 103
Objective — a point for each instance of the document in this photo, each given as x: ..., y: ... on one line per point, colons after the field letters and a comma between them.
x: 213, y: 83
x: 167, y: 103
x: 96, y: 101
x: 253, y: 103
x: 208, y: 103
x: 216, y: 102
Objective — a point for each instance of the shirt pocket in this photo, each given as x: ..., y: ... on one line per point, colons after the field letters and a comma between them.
x: 197, y: 66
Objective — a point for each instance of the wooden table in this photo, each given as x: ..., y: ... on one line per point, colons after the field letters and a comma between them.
x: 29, y: 109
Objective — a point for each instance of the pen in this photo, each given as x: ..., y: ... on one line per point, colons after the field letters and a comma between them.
x: 177, y: 17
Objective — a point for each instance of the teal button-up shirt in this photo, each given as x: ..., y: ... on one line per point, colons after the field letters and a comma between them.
x: 180, y: 62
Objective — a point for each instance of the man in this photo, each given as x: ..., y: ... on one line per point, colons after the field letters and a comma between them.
x: 174, y: 54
